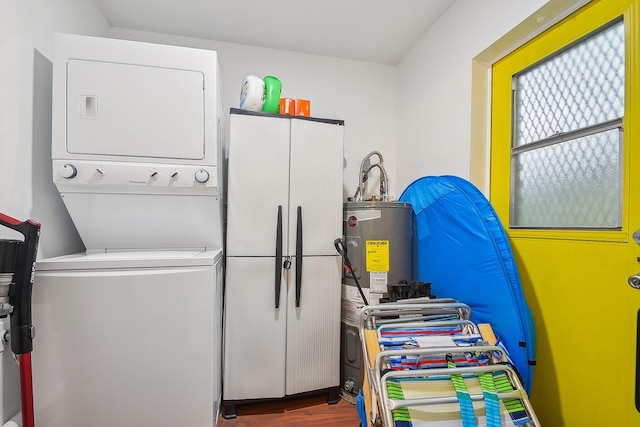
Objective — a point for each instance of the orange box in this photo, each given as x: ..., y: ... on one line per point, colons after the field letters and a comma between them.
x: 295, y: 107
x: 303, y: 107
x: 287, y: 106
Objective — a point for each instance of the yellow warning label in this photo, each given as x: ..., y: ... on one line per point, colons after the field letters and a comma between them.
x: 377, y: 255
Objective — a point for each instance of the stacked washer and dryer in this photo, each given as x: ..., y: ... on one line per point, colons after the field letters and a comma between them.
x: 129, y: 332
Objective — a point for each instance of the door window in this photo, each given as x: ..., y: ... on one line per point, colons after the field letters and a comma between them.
x: 566, y: 155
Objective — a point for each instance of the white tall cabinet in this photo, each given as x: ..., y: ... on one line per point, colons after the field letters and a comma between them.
x: 283, y: 274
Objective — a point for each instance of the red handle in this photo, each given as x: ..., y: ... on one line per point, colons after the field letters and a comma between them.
x: 26, y: 390
x: 14, y: 223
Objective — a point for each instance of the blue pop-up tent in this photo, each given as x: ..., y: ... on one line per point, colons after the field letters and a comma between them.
x: 462, y: 249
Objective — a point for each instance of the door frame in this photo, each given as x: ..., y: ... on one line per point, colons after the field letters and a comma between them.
x: 480, y: 139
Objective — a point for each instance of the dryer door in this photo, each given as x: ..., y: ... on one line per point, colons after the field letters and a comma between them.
x: 134, y: 111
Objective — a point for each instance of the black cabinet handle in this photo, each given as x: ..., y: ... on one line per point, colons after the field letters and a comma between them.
x: 298, y: 256
x: 278, y: 262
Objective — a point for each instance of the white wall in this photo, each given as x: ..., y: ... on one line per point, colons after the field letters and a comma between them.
x: 26, y: 188
x: 360, y: 93
x: 434, y: 86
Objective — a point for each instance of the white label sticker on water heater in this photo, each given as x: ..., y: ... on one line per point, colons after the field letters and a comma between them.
x: 352, y: 303
x: 378, y: 281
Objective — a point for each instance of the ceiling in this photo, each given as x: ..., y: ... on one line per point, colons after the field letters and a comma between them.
x: 380, y: 31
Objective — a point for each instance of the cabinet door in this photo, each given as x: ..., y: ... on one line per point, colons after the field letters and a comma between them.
x: 254, y: 333
x: 313, y: 328
x: 258, y: 183
x: 316, y: 185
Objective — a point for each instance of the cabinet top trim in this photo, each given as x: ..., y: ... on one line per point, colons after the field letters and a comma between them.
x: 286, y: 116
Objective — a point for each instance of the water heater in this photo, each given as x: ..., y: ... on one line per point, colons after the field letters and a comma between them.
x: 379, y: 241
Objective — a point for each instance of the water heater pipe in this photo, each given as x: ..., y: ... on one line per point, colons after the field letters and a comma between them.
x: 365, y: 169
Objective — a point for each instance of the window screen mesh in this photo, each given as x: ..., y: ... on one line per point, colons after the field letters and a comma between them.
x: 581, y: 86
x: 573, y: 182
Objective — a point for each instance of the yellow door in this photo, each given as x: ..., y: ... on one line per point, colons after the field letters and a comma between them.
x: 576, y: 281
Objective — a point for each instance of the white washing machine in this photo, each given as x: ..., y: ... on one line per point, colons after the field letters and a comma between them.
x: 129, y: 333
x: 128, y: 339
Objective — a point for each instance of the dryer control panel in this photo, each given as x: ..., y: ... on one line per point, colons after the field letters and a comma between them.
x: 114, y: 177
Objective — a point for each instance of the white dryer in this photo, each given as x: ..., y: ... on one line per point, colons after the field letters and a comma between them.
x: 129, y: 333
x: 136, y: 133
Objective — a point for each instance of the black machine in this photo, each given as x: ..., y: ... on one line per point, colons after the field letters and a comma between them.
x: 17, y: 268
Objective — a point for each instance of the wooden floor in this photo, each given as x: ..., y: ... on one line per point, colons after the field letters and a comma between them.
x: 296, y: 412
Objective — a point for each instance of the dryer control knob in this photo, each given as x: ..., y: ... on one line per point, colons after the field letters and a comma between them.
x: 68, y: 171
x: 202, y: 176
